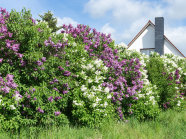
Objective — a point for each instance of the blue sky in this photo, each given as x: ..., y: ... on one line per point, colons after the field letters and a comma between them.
x: 122, y: 18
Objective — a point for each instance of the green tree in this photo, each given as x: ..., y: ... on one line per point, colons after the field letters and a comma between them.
x: 52, y: 21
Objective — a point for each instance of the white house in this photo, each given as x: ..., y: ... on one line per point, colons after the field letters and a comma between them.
x: 152, y: 38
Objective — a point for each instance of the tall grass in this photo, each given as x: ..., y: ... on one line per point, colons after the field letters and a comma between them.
x: 169, y: 125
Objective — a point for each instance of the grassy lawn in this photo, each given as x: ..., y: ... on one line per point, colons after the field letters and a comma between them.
x: 169, y: 125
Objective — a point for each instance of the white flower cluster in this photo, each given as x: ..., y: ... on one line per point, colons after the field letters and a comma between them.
x: 78, y: 103
x: 12, y: 107
x: 96, y: 96
x: 65, y: 35
x: 17, y: 97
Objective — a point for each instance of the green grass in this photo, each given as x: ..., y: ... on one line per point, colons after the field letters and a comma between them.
x: 169, y: 125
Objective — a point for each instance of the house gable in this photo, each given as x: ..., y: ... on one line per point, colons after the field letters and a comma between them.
x: 146, y: 39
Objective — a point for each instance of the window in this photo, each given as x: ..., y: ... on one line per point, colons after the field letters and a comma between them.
x: 147, y: 51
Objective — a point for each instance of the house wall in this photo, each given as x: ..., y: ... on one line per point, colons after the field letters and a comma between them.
x: 169, y: 49
x: 145, y: 40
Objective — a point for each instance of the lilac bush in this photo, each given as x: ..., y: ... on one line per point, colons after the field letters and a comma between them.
x: 79, y: 75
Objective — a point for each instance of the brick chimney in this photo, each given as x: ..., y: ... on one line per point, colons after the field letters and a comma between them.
x: 159, y: 35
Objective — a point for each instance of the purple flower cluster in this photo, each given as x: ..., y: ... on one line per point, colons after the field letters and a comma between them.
x: 126, y: 72
x: 57, y: 113
x: 7, y: 36
x: 57, y: 46
x: 67, y: 73
x: 177, y: 74
x: 40, y: 110
x: 6, y: 85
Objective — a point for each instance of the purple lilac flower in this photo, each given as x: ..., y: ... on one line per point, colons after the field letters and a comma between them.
x: 33, y: 89
x: 43, y: 59
x: 50, y: 98
x: 57, y: 113
x: 65, y: 92
x: 56, y: 89
x: 6, y: 89
x: 9, y: 77
x: 58, y: 98
x: 60, y: 68
x: 135, y: 98
x: 10, y: 34
x: 67, y: 73
x: 165, y: 106
x: 28, y: 96
x: 40, y: 110
x: 39, y: 29
x: 23, y: 63
x: 55, y: 80
x: 14, y: 85
x: 35, y: 98
x: 1, y: 60
x: 19, y: 55
x: 39, y: 63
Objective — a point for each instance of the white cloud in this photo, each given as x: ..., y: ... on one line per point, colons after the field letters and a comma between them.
x: 177, y: 37
x: 132, y: 15
x: 98, y: 8
x: 123, y: 9
x: 67, y: 21
x: 108, y: 30
x: 176, y: 9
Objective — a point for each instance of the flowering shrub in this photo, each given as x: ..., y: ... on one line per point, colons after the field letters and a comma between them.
x: 92, y: 102
x: 166, y: 76
x: 143, y: 105
x: 79, y: 76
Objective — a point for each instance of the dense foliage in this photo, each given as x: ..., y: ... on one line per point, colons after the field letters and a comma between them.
x: 79, y: 76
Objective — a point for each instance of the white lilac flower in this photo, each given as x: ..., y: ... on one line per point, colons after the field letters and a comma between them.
x: 12, y: 107
x: 179, y: 102
x: 94, y: 105
x: 151, y: 98
x: 94, y: 88
x: 83, y: 59
x: 109, y: 96
x: 98, y: 72
x: 99, y: 88
x: 83, y: 72
x: 83, y: 88
x: 101, y: 111
x: 106, y: 90
x: 17, y: 97
x: 98, y: 63
x: 150, y: 92
x: 90, y: 96
x: 76, y: 83
x: 146, y: 81
x: 122, y: 45
x: 89, y: 66
x: 0, y: 100
x: 90, y: 80
x: 93, y: 69
x: 74, y: 44
x: 96, y: 79
x: 105, y: 104
x: 85, y: 93
x: 105, y: 68
x: 76, y: 103
x: 141, y: 95
x: 85, y: 77
x: 98, y: 99
x: 176, y: 88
